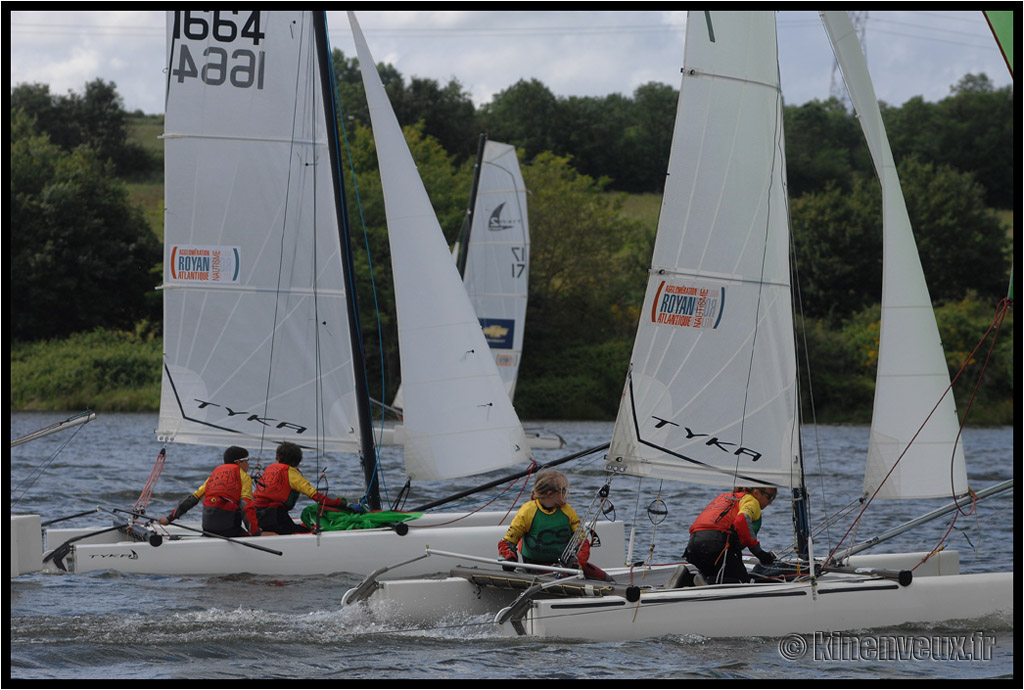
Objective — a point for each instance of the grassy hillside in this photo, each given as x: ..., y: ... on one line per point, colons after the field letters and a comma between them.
x: 149, y: 192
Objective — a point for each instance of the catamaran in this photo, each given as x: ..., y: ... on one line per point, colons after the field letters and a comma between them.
x: 711, y: 396
x: 261, y: 333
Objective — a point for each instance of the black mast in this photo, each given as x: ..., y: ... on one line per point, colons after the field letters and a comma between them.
x: 467, y: 224
x: 367, y: 452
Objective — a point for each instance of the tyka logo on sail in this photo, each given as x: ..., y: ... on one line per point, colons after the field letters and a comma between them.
x: 253, y: 418
x: 712, y: 441
x: 688, y: 305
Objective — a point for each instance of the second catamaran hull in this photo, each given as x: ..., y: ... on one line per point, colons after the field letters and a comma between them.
x: 838, y: 602
x: 354, y: 551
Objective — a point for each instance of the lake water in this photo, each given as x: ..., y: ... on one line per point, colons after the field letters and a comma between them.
x: 106, y: 625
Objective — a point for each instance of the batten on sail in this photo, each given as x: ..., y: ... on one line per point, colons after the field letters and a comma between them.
x: 914, y: 446
x: 711, y: 396
x: 256, y: 338
x: 458, y: 418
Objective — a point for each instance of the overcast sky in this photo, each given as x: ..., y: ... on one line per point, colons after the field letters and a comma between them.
x: 920, y: 53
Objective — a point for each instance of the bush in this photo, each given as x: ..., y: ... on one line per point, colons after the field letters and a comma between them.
x: 104, y: 370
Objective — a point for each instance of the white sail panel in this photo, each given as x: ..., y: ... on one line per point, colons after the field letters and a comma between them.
x: 256, y: 338
x: 458, y: 419
x: 913, y: 451
x: 497, y: 260
x: 711, y: 396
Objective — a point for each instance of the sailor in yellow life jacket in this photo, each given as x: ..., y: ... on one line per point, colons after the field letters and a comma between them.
x: 279, y: 487
x: 545, y: 525
x: 724, y: 528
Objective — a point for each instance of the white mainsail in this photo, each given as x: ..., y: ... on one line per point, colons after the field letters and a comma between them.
x: 497, y: 258
x: 256, y: 336
x: 458, y: 418
x: 711, y: 396
x: 914, y: 445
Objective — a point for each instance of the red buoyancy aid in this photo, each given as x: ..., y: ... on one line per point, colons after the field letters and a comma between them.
x: 723, y: 515
x: 224, y: 487
x: 273, y: 488
x: 720, y: 514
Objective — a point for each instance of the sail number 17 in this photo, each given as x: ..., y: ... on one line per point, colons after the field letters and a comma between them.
x: 518, y: 261
x: 243, y: 68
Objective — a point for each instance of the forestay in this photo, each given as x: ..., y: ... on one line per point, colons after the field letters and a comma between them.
x: 458, y: 418
x: 711, y: 396
x: 497, y: 258
x: 256, y: 336
x: 914, y: 429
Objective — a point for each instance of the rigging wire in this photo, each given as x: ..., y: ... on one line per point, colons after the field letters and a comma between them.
x: 32, y: 478
x: 997, y: 326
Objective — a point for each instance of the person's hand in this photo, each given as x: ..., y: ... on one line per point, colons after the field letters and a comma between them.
x: 164, y: 521
x: 265, y: 533
x: 766, y: 557
x: 507, y: 552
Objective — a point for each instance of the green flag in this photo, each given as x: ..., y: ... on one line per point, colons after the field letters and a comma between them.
x: 1001, y: 24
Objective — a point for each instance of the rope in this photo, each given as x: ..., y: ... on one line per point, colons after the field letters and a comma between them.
x: 501, y: 493
x: 154, y: 475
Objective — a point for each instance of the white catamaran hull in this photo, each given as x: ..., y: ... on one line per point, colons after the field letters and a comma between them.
x: 355, y: 551
x: 840, y: 604
x: 837, y: 602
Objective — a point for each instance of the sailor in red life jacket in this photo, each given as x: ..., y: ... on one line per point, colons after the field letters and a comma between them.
x: 280, y: 486
x: 546, y: 525
x: 725, y: 527
x: 227, y: 498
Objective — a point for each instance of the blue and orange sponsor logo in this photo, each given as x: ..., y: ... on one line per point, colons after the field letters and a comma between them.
x: 196, y: 264
x: 688, y: 306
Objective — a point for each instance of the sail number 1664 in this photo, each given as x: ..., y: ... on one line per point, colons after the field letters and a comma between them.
x: 242, y: 68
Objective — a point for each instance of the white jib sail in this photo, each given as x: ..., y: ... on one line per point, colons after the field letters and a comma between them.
x: 711, y: 396
x: 497, y: 261
x: 458, y: 418
x: 910, y: 429
x: 256, y: 340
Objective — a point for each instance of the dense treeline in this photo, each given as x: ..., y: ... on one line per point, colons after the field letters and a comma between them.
x: 85, y: 257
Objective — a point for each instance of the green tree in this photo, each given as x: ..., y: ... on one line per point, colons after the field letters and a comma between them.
x: 586, y: 282
x: 837, y: 240
x: 980, y: 137
x: 824, y: 145
x: 82, y: 254
x: 837, y: 237
x: 963, y: 246
x: 527, y: 115
x: 649, y: 138
x: 96, y: 119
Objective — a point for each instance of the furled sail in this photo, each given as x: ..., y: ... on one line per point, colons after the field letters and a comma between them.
x: 256, y: 339
x: 458, y: 418
x: 913, y: 451
x: 711, y: 395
